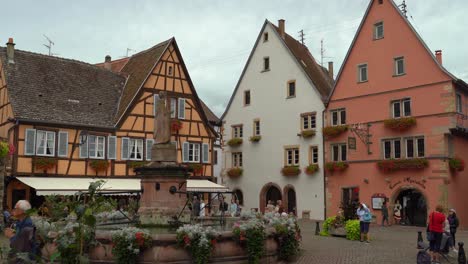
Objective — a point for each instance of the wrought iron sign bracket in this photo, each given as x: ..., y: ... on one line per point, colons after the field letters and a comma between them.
x: 362, y: 132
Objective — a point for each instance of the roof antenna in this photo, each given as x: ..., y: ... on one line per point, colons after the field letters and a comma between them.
x: 128, y: 51
x: 322, y: 53
x: 49, y: 47
x: 301, y: 37
x: 404, y: 9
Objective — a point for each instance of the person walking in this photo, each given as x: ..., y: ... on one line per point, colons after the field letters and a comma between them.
x: 202, y: 208
x: 436, y: 228
x: 385, y: 213
x: 233, y: 207
x: 453, y: 221
x: 365, y: 218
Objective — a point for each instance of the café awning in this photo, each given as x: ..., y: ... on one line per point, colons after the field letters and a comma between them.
x: 206, y: 186
x: 70, y: 186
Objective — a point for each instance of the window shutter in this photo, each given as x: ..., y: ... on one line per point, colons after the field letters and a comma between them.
x: 149, y: 146
x: 173, y: 107
x: 185, y: 147
x: 30, y: 142
x: 84, y: 149
x: 111, y: 147
x: 181, y: 108
x: 62, y: 144
x: 155, y: 105
x: 125, y: 148
x: 205, y: 153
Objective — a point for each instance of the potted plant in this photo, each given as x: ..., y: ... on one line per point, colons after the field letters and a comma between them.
x: 333, y: 131
x: 176, y: 125
x: 311, y: 169
x: 45, y: 163
x: 456, y: 164
x: 128, y: 243
x: 235, y: 172
x: 307, y: 133
x: 402, y: 164
x: 198, y: 240
x: 99, y: 165
x: 255, y: 138
x: 233, y: 142
x: 197, y: 168
x: 136, y: 164
x: 336, y: 166
x: 400, y: 124
x: 290, y: 170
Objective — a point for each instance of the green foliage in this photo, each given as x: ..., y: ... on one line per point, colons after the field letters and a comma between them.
x: 456, y: 164
x: 400, y: 123
x: 45, y: 163
x: 290, y: 170
x: 198, y: 240
x: 336, y: 166
x: 288, y: 235
x: 99, y: 165
x: 326, y: 226
x: 127, y: 244
x: 333, y: 131
x: 352, y: 230
x: 392, y: 165
x: 308, y: 133
x: 136, y: 164
x: 235, y: 172
x: 234, y: 142
x: 255, y: 138
x: 311, y: 169
x: 4, y: 149
x: 251, y: 235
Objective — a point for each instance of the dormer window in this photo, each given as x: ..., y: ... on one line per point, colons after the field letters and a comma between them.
x: 378, y: 30
x: 265, y: 37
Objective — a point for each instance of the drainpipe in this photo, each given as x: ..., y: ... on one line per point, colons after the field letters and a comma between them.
x: 324, y: 171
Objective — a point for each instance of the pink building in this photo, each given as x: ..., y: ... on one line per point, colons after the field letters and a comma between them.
x: 396, y: 124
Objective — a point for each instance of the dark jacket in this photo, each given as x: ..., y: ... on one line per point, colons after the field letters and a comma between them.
x: 453, y: 221
x: 23, y: 241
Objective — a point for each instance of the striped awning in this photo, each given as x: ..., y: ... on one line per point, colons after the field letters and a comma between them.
x: 206, y: 186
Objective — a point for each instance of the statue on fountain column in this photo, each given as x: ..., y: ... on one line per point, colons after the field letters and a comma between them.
x: 162, y: 121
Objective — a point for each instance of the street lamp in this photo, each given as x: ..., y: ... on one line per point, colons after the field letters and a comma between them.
x: 83, y: 137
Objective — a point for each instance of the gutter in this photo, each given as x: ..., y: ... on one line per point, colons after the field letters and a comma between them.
x: 64, y: 124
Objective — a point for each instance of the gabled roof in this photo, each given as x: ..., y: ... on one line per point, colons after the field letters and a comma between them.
x: 57, y: 90
x: 212, y: 118
x: 455, y: 79
x: 316, y: 74
x: 116, y: 65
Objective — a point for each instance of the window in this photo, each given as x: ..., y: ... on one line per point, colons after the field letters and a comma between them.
x: 313, y: 155
x: 292, y: 156
x: 237, y: 159
x: 399, y: 66
x: 181, y: 113
x: 237, y: 131
x: 392, y: 148
x: 338, y: 117
x: 135, y: 149
x: 414, y: 148
x: 362, y: 73
x: 45, y: 143
x: 173, y: 107
x: 308, y: 121
x: 215, y: 158
x: 401, y: 108
x: 339, y: 152
x: 459, y: 103
x: 246, y: 97
x: 266, y: 64
x: 265, y: 37
x: 169, y: 70
x: 256, y: 127
x: 239, y: 196
x: 350, y: 196
x: 291, y: 89
x: 378, y: 30
x: 96, y: 147
x: 191, y: 152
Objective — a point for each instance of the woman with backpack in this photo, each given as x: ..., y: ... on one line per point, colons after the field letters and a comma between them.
x: 365, y: 218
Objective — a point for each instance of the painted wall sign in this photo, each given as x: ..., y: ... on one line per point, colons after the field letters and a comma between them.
x: 351, y: 143
x: 421, y: 184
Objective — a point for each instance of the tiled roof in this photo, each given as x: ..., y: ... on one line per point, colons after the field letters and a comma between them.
x: 212, y: 118
x: 137, y: 69
x: 317, y: 74
x: 52, y: 89
x: 116, y: 65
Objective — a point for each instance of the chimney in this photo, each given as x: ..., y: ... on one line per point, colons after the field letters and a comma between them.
x: 438, y: 54
x: 107, y: 63
x: 330, y: 69
x: 10, y: 51
x: 281, y: 27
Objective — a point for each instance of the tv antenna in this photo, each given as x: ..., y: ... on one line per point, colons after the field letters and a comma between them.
x: 322, y: 53
x: 301, y: 37
x: 49, y: 46
x: 403, y: 8
x: 128, y: 51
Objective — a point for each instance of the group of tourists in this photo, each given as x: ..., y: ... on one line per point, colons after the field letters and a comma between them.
x: 441, y: 232
x: 200, y: 208
x: 275, y: 208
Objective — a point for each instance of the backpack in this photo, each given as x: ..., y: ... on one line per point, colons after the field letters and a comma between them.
x: 367, y: 216
x: 423, y: 257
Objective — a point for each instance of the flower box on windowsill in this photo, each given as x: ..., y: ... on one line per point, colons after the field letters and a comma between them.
x: 234, y: 142
x: 291, y: 170
x: 196, y: 168
x: 402, y: 164
x: 176, y: 125
x: 307, y: 133
x: 99, y: 165
x: 255, y: 138
x: 311, y: 169
x: 400, y: 124
x: 336, y: 166
x: 45, y: 163
x: 333, y: 131
x: 235, y: 172
x: 456, y: 164
x: 136, y: 164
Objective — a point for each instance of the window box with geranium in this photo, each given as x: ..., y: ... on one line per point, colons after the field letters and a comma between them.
x: 336, y: 166
x: 311, y: 169
x: 333, y: 131
x: 307, y: 133
x: 176, y: 125
x: 45, y: 163
x: 456, y: 164
x: 198, y: 240
x: 255, y: 138
x: 402, y: 164
x: 128, y: 243
x: 137, y: 164
x: 233, y: 142
x: 234, y: 172
x: 400, y: 124
x: 291, y: 170
x: 99, y: 165
x: 196, y: 168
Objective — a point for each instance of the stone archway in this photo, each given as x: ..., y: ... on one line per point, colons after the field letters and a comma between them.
x: 414, y: 204
x: 271, y: 191
x: 289, y: 200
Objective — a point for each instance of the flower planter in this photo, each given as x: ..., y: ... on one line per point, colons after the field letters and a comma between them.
x: 176, y: 125
x: 336, y: 166
x: 136, y: 164
x: 196, y: 168
x: 456, y: 164
x: 234, y: 142
x: 99, y: 165
x: 234, y: 172
x: 45, y: 163
x: 255, y: 138
x: 400, y: 124
x: 333, y: 131
x: 307, y: 133
x: 311, y: 169
x: 291, y: 170
x: 402, y: 164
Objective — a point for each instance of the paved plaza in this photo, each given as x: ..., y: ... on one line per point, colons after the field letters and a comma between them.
x: 395, y: 244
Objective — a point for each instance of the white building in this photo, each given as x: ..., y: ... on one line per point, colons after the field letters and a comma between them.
x: 280, y: 96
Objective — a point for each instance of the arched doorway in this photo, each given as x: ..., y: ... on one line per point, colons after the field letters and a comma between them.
x: 239, y: 196
x: 414, y: 206
x: 270, y: 191
x: 290, y: 201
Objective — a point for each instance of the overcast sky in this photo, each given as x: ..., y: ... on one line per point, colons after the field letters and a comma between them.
x: 216, y: 37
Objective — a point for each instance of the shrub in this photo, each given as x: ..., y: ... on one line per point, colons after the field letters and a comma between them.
x: 400, y: 123
x: 198, y: 240
x: 99, y: 165
x: 290, y: 170
x: 255, y: 138
x: 251, y: 235
x: 326, y: 225
x: 307, y: 133
x: 233, y: 142
x: 336, y: 166
x: 456, y: 164
x: 45, y: 163
x: 128, y: 242
x: 4, y: 149
x: 333, y: 131
x: 234, y: 172
x: 402, y: 164
x: 353, y: 230
x: 311, y: 169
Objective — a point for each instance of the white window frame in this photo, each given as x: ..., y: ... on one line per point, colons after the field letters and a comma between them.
x: 376, y: 30
x: 256, y: 127
x: 340, y: 152
x: 97, y: 146
x: 459, y: 103
x: 181, y: 114
x: 314, y: 154
x: 134, y: 150
x: 62, y: 134
x: 307, y: 119
x: 292, y: 156
x: 237, y: 131
x: 360, y: 68
x: 392, y: 148
x: 339, y: 119
x: 173, y: 102
x: 194, y: 152
x: 403, y: 70
x: 46, y: 133
x: 288, y: 90
x: 402, y: 107
x: 236, y: 160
